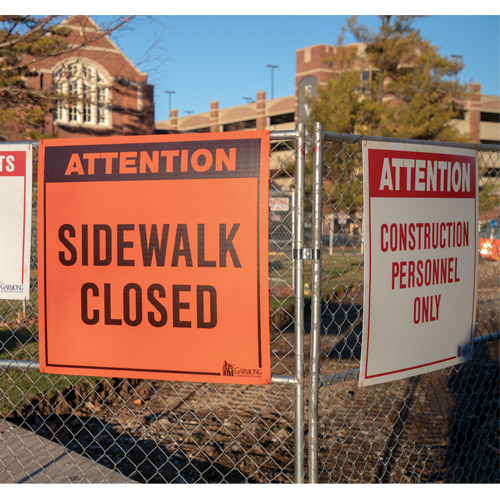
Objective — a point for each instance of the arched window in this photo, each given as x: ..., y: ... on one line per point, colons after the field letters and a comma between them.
x: 85, y: 90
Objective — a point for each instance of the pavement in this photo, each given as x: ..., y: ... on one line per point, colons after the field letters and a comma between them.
x: 28, y: 458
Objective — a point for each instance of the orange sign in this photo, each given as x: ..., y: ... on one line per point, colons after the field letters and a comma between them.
x: 153, y: 257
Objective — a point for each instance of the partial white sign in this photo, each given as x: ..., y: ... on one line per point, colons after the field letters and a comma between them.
x: 420, y: 259
x: 279, y: 204
x: 15, y: 221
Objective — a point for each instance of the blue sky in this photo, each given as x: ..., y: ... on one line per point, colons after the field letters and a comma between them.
x: 220, y: 51
x: 225, y: 58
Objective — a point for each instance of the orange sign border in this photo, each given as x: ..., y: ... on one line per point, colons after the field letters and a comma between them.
x: 263, y: 337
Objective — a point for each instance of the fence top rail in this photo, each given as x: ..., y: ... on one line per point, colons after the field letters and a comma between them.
x: 276, y: 135
x: 283, y: 135
x: 356, y: 139
x: 19, y: 143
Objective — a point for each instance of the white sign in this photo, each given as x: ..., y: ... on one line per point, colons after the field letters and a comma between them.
x: 420, y: 259
x: 15, y: 221
x: 279, y: 204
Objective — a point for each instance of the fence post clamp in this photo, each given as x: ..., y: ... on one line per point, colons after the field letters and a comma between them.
x: 307, y: 253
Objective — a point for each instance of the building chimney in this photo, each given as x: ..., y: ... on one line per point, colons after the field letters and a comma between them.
x: 173, y: 119
x: 474, y: 111
x: 214, y: 116
x: 261, y: 110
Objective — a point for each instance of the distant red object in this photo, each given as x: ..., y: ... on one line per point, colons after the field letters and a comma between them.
x: 489, y: 241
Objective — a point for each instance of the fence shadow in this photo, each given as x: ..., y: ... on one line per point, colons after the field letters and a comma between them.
x: 141, y: 457
x: 473, y: 450
x: 11, y: 341
x: 344, y: 321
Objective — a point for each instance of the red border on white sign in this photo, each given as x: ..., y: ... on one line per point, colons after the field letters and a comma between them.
x: 420, y: 230
x: 15, y: 228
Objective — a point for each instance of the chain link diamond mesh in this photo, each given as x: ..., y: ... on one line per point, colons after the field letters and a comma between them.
x: 439, y: 427
x: 152, y: 431
x: 436, y: 428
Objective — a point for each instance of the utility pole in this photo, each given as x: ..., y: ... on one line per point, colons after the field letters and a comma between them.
x: 273, y: 67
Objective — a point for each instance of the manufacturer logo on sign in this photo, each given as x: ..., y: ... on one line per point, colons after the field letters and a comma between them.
x: 7, y: 287
x: 229, y: 370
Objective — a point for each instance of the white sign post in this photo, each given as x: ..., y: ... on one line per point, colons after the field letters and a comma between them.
x: 15, y: 221
x: 420, y: 259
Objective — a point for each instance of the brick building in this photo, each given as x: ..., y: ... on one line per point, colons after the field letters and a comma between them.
x: 112, y: 97
x: 481, y: 121
x: 262, y: 114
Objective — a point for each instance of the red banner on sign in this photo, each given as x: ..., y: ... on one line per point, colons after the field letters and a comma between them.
x: 12, y: 163
x: 418, y: 174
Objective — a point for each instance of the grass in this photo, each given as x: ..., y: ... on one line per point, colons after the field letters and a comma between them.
x: 341, y: 271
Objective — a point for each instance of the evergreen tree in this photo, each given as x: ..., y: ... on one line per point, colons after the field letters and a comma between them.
x: 412, y: 91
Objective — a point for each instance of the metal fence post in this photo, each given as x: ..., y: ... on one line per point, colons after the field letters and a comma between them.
x: 298, y: 245
x: 315, y: 302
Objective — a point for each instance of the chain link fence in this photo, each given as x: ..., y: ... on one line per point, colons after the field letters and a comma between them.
x: 439, y: 427
x: 153, y: 431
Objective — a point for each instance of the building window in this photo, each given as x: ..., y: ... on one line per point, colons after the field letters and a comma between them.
x: 85, y: 94
x: 243, y: 125
x: 490, y: 117
x: 365, y: 80
x: 72, y: 102
x: 140, y: 101
x: 198, y: 130
x: 284, y: 118
x: 86, y: 104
